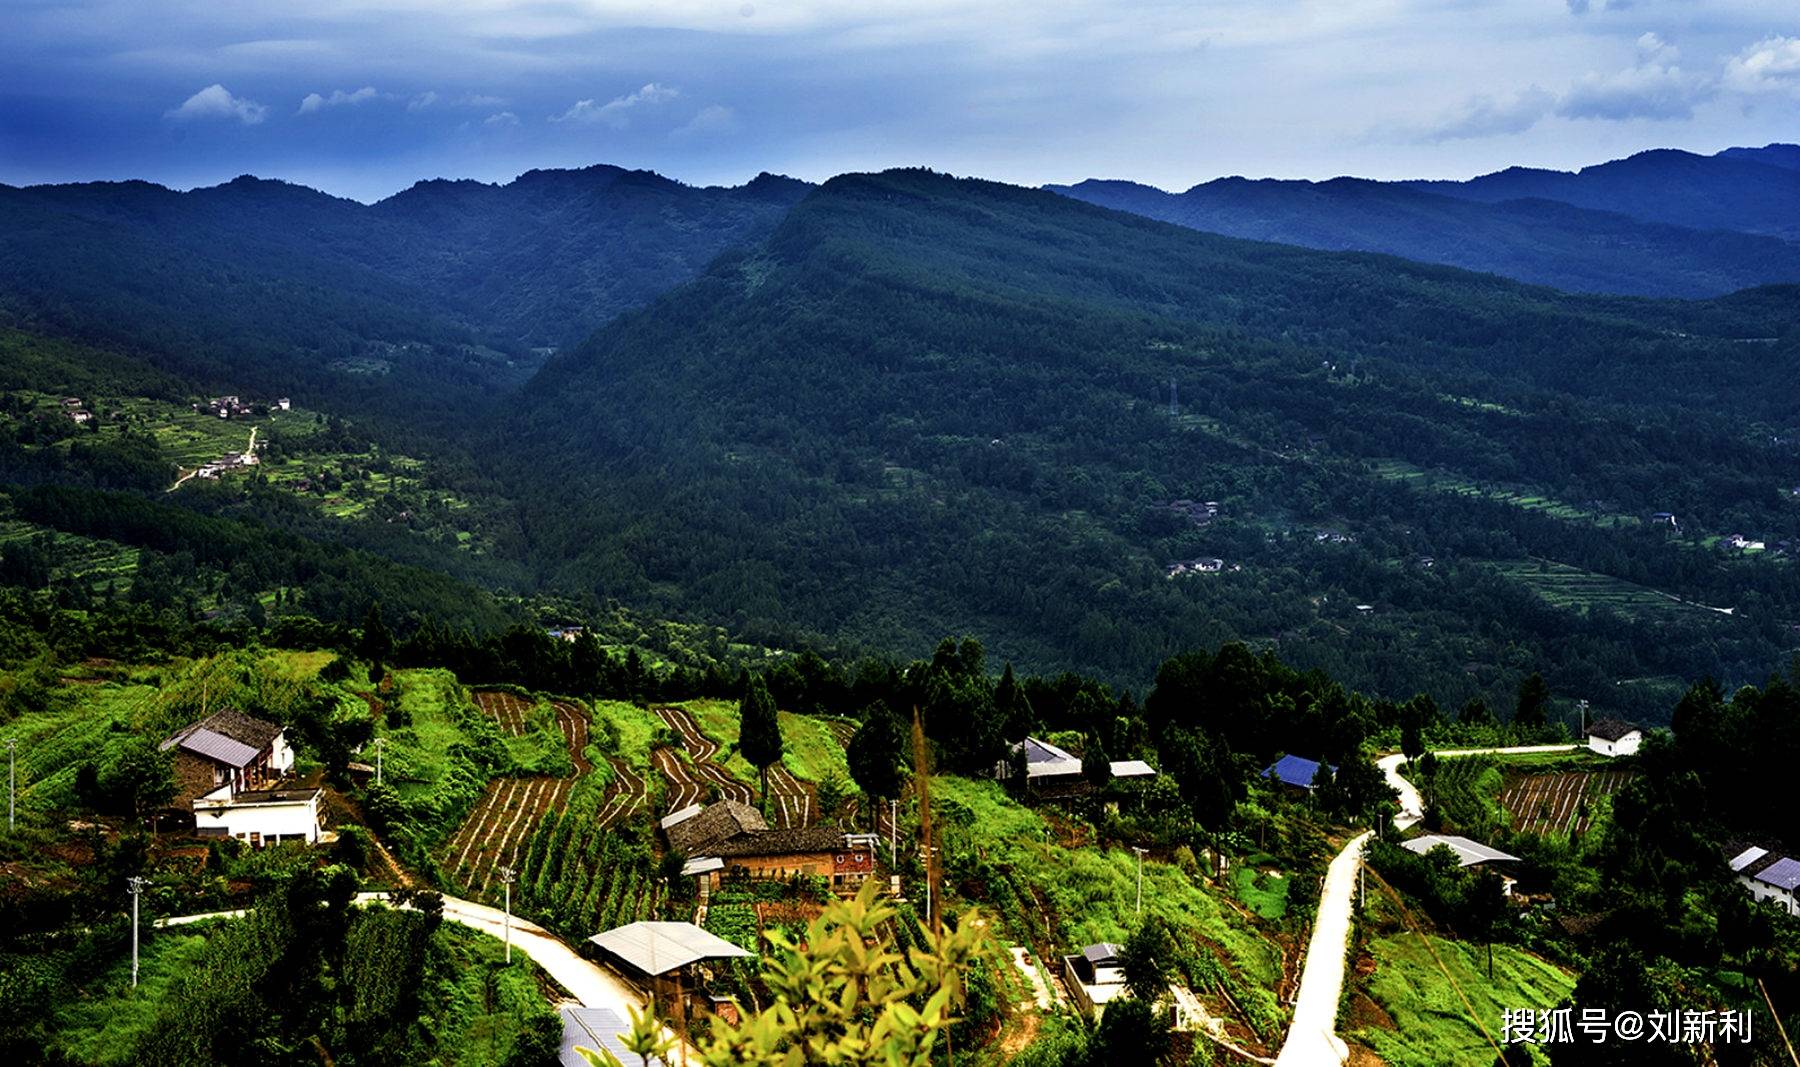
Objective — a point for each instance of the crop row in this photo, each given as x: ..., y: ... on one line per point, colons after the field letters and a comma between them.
x: 578, y: 877
x: 495, y: 831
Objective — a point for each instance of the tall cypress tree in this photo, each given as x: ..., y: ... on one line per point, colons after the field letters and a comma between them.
x: 759, y: 729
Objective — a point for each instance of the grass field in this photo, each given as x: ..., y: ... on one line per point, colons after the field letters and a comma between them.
x: 75, y: 726
x: 809, y: 748
x: 1262, y: 892
x: 1432, y: 1026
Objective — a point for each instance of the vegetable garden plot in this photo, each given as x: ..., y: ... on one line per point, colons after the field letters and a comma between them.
x: 1559, y: 801
x: 794, y: 805
x: 576, y: 877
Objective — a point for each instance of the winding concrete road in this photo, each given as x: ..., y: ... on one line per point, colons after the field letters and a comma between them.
x: 1312, y: 1037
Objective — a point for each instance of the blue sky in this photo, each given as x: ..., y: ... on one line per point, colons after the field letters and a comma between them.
x: 364, y: 98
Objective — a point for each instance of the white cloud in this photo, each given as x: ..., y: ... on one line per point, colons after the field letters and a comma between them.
x: 617, y: 111
x: 1491, y: 116
x: 338, y: 98
x: 422, y: 101
x: 1770, y: 65
x: 503, y: 118
x: 1655, y: 88
x: 216, y: 101
x: 712, y: 119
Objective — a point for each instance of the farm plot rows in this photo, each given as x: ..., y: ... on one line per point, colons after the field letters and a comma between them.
x: 504, y: 708
x: 1559, y: 801
x: 684, y: 788
x: 495, y: 831
x: 625, y: 796
x: 701, y: 750
x: 573, y: 723
x: 577, y: 877
x: 794, y: 805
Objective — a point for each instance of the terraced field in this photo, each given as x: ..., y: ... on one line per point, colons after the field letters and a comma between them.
x: 701, y: 751
x: 626, y: 795
x: 507, y: 709
x: 1572, y: 587
x: 494, y: 833
x: 1559, y: 801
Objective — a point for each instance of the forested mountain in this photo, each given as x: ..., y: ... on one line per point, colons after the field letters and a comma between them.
x: 444, y: 287
x: 1542, y: 241
x: 1749, y: 190
x: 927, y: 404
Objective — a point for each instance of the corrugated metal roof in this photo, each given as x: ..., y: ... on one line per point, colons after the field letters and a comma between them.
x: 1043, y: 759
x: 1101, y: 953
x: 219, y: 747
x: 1132, y: 768
x: 1747, y: 857
x: 1468, y: 852
x: 1784, y: 873
x: 702, y: 865
x: 661, y: 947
x: 680, y: 816
x: 593, y: 1028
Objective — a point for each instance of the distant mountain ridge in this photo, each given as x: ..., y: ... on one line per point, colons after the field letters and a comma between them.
x: 1659, y: 224
x: 539, y: 261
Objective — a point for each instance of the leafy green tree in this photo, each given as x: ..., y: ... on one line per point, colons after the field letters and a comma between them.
x: 376, y: 643
x: 759, y: 728
x: 843, y: 994
x: 1096, y: 764
x: 1148, y: 959
x: 1014, y: 707
x: 1131, y: 1031
x: 877, y: 753
x: 1533, y: 708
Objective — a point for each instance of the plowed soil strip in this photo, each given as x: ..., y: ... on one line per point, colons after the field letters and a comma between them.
x: 793, y: 801
x: 685, y: 790
x: 504, y: 708
x: 701, y: 749
x: 625, y: 797
x: 1552, y: 801
x: 493, y: 802
x: 574, y: 727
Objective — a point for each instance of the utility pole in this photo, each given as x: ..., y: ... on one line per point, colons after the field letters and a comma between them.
x: 380, y: 743
x: 894, y: 832
x: 12, y: 780
x: 1140, y: 877
x: 135, y: 886
x: 507, y: 875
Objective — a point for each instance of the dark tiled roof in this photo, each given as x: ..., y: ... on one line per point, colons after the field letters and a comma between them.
x: 780, y: 842
x: 1610, y: 729
x: 718, y: 822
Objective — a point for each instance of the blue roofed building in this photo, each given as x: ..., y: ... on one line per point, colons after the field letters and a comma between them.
x: 1769, y: 875
x: 1297, y: 772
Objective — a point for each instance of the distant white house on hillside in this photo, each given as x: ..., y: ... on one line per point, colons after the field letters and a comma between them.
x: 1614, y: 737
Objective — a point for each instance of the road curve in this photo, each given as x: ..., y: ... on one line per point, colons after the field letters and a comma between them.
x: 1412, y: 808
x: 594, y: 986
x: 1312, y: 1039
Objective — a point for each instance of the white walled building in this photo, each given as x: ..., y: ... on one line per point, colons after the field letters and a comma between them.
x: 1769, y: 875
x: 261, y: 817
x: 1614, y: 737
